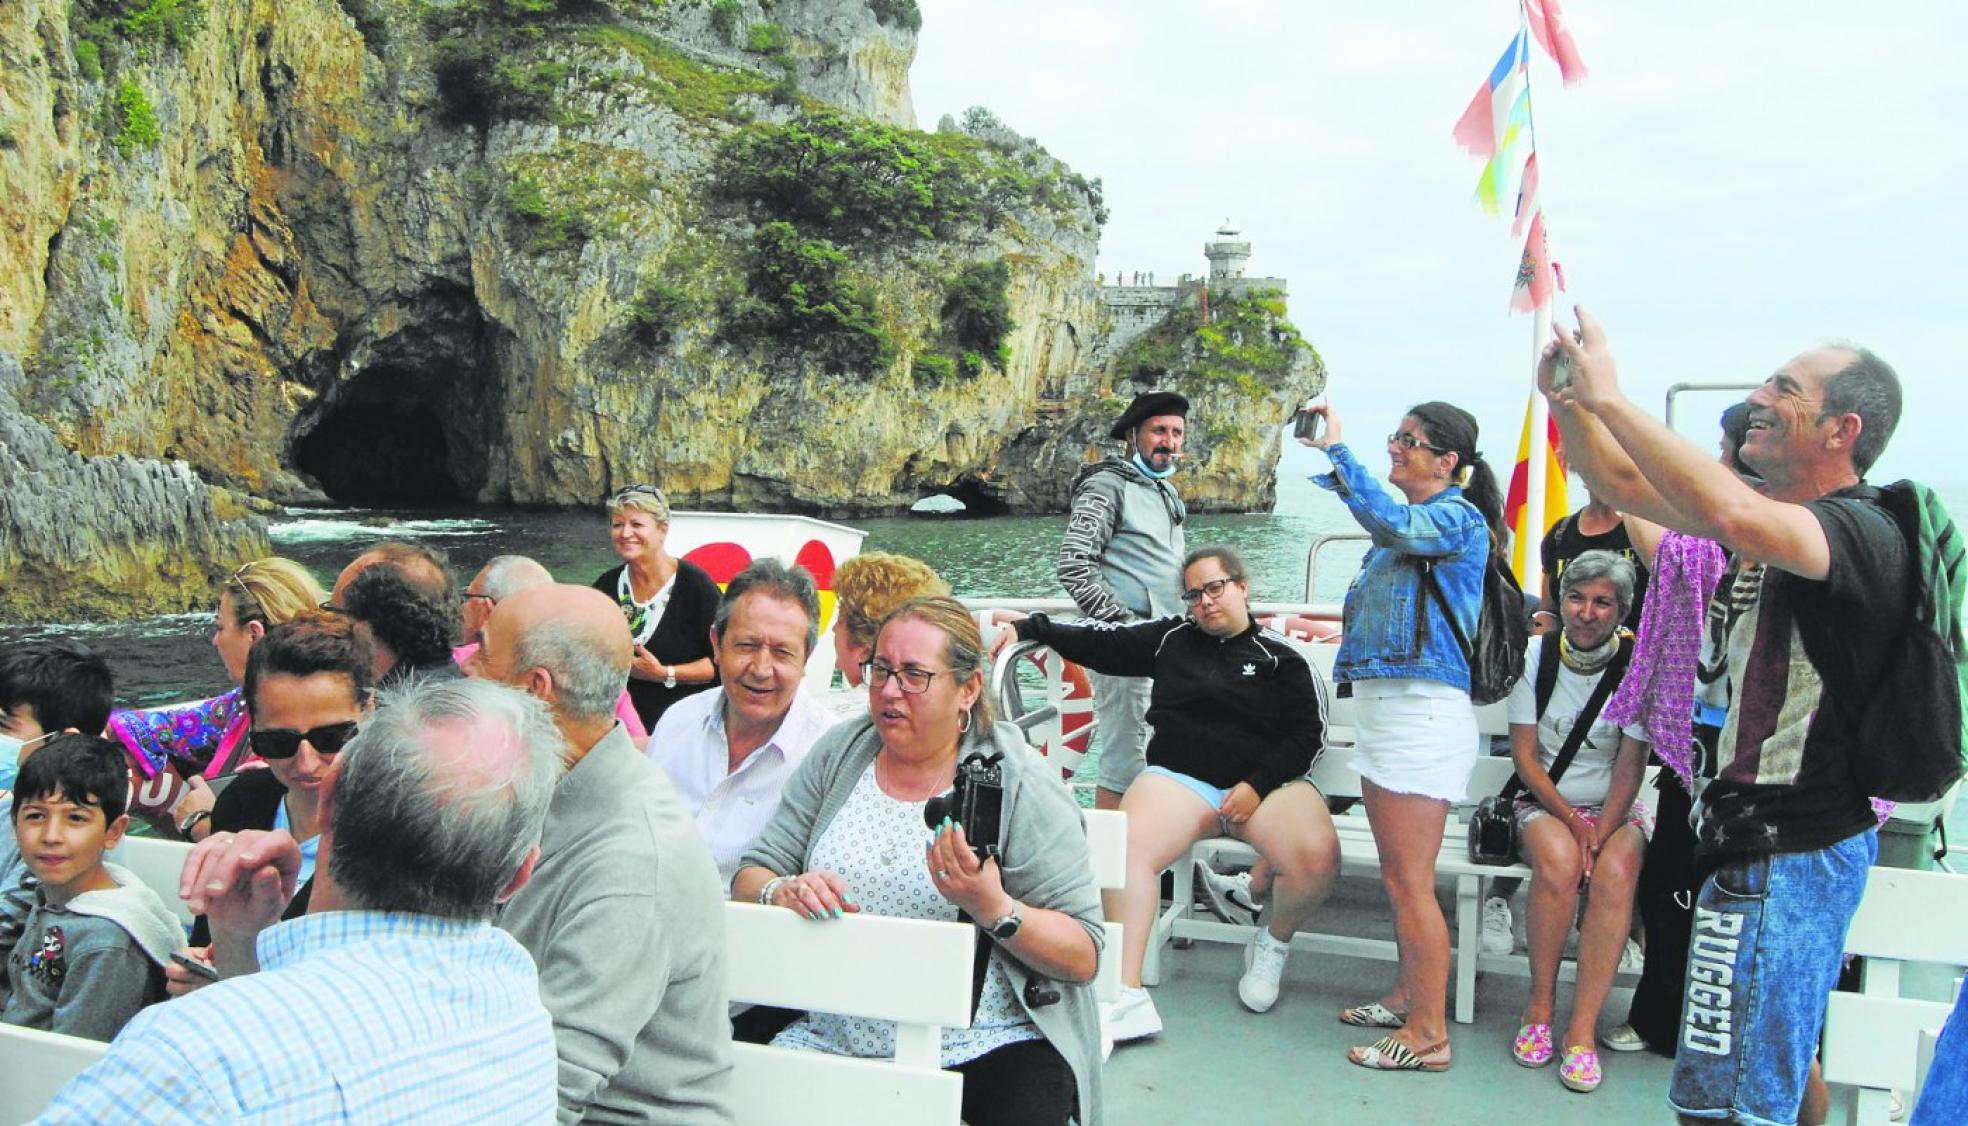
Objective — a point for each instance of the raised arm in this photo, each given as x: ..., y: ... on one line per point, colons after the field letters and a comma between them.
x: 1700, y: 495
x: 1115, y: 650
x: 1413, y: 529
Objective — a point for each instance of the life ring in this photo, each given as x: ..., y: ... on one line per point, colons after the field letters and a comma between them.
x: 1074, y: 698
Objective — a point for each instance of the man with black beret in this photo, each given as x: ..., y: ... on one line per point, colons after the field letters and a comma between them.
x: 1121, y: 561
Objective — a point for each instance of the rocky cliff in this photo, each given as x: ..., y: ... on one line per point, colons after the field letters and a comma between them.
x: 528, y: 251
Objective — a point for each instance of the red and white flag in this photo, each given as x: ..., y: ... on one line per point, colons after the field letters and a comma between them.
x: 1527, y: 192
x: 1547, y: 22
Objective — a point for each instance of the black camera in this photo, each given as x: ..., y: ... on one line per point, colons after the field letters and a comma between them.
x: 976, y: 802
x: 1308, y: 424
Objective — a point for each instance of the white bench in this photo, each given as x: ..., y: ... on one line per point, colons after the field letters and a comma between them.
x: 34, y: 1065
x: 159, y: 864
x: 910, y: 971
x: 1333, y: 774
x: 1872, y: 1038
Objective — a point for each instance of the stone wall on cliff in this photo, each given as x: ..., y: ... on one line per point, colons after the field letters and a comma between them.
x: 442, y: 252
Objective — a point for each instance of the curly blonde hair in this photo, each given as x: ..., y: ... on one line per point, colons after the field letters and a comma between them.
x: 871, y: 584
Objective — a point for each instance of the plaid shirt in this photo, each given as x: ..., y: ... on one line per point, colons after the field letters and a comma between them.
x: 355, y: 1016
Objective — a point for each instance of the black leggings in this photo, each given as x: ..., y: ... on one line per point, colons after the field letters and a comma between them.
x: 1022, y: 1084
x: 1669, y: 880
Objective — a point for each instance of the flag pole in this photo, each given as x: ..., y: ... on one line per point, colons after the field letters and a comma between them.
x: 1534, y: 517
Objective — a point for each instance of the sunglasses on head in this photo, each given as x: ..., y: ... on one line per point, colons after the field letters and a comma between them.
x: 326, y: 740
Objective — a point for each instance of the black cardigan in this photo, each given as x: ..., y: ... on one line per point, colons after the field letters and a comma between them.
x: 250, y: 801
x: 682, y: 636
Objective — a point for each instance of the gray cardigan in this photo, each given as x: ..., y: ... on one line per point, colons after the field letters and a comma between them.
x: 1045, y: 864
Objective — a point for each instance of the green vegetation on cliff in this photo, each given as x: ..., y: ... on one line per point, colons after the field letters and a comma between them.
x: 136, y: 121
x: 1248, y: 343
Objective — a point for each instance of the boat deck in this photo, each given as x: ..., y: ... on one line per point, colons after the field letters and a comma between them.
x: 1217, y: 1063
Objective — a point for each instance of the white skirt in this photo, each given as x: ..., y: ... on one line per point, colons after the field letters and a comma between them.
x: 1414, y: 737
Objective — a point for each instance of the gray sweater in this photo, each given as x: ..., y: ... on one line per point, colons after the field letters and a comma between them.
x: 1045, y: 864
x: 85, y: 967
x: 1121, y: 558
x: 625, y: 917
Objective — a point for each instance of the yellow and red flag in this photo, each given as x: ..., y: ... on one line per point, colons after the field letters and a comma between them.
x: 1516, y: 513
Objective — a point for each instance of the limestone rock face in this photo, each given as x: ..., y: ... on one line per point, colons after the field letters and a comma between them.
x: 293, y: 251
x: 80, y: 536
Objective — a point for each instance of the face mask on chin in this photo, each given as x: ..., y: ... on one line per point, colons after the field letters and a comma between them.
x: 1159, y: 476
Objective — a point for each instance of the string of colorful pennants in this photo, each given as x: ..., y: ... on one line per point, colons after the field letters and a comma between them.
x: 1499, y: 123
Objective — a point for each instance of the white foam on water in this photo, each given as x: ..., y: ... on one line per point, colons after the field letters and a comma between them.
x: 317, y: 529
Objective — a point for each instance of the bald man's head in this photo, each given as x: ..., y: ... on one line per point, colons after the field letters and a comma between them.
x: 576, y: 634
x: 425, y: 569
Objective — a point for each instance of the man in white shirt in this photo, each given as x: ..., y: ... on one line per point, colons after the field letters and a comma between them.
x: 729, y: 752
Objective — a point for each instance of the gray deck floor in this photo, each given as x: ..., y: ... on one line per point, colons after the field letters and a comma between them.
x: 1220, y: 1064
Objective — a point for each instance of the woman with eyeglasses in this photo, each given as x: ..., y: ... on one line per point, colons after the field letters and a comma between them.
x: 850, y: 837
x: 308, y: 687
x: 1238, y: 718
x: 176, y: 751
x: 1416, y: 737
x: 669, y: 604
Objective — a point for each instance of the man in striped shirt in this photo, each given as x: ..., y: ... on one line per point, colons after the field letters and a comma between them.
x: 394, y: 1000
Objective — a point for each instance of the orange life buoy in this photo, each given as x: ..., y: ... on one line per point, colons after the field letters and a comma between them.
x: 1075, y: 710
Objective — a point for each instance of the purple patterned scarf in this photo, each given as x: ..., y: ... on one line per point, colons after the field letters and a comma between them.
x: 1659, y: 688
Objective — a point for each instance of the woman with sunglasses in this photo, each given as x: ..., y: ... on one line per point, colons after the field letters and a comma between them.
x: 1238, y: 718
x: 849, y: 836
x: 176, y: 751
x: 307, y: 688
x: 1416, y: 738
x: 669, y: 603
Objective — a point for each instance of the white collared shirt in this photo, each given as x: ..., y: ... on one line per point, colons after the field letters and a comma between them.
x: 731, y: 806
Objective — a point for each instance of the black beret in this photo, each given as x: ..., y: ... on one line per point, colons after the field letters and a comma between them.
x: 1147, y: 405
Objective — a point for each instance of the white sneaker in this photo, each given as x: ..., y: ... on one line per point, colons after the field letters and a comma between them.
x: 1131, y: 1016
x: 1264, y: 963
x: 1632, y: 958
x: 1227, y: 897
x: 1497, y: 936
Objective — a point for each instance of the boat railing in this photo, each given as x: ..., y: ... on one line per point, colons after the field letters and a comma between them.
x: 1319, y: 544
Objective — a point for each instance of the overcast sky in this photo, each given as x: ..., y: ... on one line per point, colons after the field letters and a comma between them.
x: 1735, y: 182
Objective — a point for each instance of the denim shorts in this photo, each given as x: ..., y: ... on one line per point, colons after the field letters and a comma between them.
x: 1768, y: 941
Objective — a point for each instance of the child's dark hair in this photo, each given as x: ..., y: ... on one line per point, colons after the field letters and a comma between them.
x: 84, y: 769
x: 65, y: 683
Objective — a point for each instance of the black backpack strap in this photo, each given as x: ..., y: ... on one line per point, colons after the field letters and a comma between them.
x: 1442, y: 600
x: 1587, y: 716
x: 1547, y: 678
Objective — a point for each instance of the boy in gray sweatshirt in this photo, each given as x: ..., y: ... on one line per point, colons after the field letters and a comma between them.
x: 95, y: 942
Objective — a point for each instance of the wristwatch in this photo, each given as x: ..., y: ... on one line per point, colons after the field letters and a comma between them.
x: 669, y: 676
x: 1005, y: 929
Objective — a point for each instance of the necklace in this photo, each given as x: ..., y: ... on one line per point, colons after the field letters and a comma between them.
x: 892, y: 786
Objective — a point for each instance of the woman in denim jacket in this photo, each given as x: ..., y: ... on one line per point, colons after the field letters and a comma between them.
x: 1416, y: 730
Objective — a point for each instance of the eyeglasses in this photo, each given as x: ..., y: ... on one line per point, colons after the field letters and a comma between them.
x: 915, y: 681
x: 326, y: 740
x: 1409, y: 441
x: 1213, y: 590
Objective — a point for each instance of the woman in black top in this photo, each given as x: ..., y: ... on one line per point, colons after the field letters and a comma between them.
x: 307, y: 689
x: 1238, y: 718
x: 669, y: 604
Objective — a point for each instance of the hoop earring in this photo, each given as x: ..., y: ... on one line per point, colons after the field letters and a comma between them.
x: 963, y: 722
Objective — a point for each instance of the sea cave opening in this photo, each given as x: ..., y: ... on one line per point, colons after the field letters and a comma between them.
x: 381, y: 454
x: 977, y: 500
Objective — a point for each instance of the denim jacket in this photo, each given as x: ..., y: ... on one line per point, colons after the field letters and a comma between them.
x: 1393, y: 626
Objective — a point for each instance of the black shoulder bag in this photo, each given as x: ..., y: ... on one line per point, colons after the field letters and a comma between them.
x: 1496, y: 654
x: 1493, y: 825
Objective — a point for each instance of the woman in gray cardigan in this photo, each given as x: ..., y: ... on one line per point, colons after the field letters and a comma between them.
x: 851, y: 816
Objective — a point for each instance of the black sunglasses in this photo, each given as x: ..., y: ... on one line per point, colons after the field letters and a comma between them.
x: 326, y: 740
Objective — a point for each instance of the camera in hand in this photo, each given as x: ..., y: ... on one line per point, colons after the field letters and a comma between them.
x: 976, y: 802
x: 1308, y: 424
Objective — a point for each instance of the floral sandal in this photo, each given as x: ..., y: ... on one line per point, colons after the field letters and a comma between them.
x: 1389, y: 1054
x: 1579, y: 1070
x: 1532, y: 1047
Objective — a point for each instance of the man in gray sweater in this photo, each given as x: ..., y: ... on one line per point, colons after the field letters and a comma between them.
x: 1121, y: 561
x: 625, y: 911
